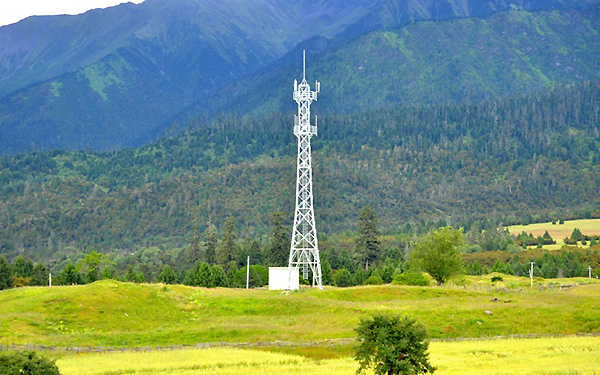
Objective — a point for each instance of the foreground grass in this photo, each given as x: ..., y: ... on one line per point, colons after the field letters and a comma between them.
x: 573, y: 355
x: 110, y: 313
x: 558, y: 231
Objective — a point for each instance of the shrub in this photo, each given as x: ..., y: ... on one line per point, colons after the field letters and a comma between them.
x: 26, y: 363
x: 411, y: 278
x: 259, y: 277
x: 342, y: 278
x: 374, y: 280
x: 392, y: 345
x: 496, y: 278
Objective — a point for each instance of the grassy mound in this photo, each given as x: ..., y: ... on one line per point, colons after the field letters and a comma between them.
x: 110, y: 313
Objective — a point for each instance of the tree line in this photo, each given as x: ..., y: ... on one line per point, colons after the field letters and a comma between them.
x: 214, y: 259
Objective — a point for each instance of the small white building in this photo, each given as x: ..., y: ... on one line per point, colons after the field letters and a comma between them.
x: 279, y: 278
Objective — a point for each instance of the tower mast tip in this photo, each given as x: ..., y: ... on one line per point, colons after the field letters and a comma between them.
x: 303, y: 64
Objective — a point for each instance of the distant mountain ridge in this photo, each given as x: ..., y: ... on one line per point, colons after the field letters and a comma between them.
x: 119, y: 76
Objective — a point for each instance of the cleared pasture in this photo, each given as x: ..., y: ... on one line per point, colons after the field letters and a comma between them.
x: 558, y: 231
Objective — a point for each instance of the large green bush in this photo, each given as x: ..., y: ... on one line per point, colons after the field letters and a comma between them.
x: 411, y: 278
x: 26, y: 363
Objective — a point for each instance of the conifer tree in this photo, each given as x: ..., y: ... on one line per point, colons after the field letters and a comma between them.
x: 5, y: 280
x: 228, y: 250
x: 577, y: 235
x: 210, y: 244
x: 39, y: 277
x: 367, y: 243
x: 22, y: 267
x: 70, y: 275
x: 279, y: 246
x: 219, y: 276
x: 204, y: 277
x: 167, y: 275
x: 192, y: 253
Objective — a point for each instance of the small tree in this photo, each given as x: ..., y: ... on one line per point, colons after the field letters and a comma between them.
x: 70, y: 275
x: 392, y: 345
x: 577, y: 235
x: 204, y: 277
x: 279, y: 245
x: 5, y: 279
x: 93, y: 262
x: 367, y: 242
x: 22, y: 267
x: 227, y: 252
x: 219, y: 276
x: 167, y: 275
x: 326, y: 272
x: 210, y: 244
x: 437, y: 253
x: 39, y: 277
x: 342, y: 278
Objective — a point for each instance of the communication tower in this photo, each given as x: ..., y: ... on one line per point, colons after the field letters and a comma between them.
x: 304, y: 251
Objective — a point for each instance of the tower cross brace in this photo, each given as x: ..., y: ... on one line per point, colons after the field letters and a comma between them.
x: 304, y: 250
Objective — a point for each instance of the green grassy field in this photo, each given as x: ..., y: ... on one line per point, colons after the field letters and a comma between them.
x: 110, y: 313
x: 558, y: 231
x: 572, y: 355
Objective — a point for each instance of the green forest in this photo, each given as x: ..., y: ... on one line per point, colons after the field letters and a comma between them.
x: 477, y: 166
x: 516, y: 160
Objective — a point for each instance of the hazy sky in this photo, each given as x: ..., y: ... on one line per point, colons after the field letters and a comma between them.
x: 12, y: 11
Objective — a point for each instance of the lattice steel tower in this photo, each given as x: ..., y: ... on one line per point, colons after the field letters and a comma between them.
x: 304, y: 251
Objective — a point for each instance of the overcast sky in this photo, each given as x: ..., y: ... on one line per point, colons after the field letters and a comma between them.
x: 12, y: 11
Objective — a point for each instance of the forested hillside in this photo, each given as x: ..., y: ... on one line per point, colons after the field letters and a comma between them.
x: 504, y: 159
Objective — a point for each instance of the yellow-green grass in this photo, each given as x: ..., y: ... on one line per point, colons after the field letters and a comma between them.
x: 571, y: 355
x: 110, y: 313
x: 558, y: 231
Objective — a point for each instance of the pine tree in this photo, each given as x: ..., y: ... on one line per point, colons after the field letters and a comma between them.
x: 5, y: 280
x: 326, y: 272
x: 22, y: 267
x: 39, y: 276
x: 204, y: 277
x: 210, y: 244
x: 192, y: 253
x: 279, y: 246
x: 190, y: 275
x: 219, y: 276
x: 167, y: 275
x: 70, y: 275
x: 255, y: 253
x: 228, y: 250
x: 577, y: 235
x: 367, y: 243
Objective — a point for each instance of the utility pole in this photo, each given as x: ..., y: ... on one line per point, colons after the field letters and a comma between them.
x: 531, y: 273
x: 304, y: 249
x: 248, y: 273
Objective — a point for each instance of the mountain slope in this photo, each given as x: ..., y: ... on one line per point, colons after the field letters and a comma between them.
x: 504, y: 158
x: 121, y: 76
x: 454, y: 61
x: 141, y: 65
